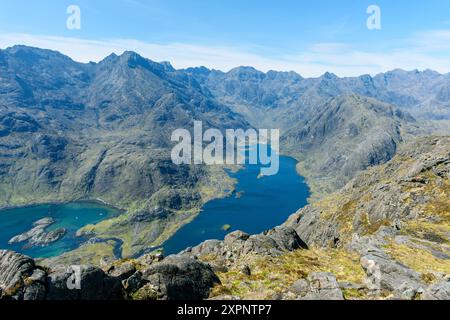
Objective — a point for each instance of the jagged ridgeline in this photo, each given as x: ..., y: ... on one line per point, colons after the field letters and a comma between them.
x: 101, y: 131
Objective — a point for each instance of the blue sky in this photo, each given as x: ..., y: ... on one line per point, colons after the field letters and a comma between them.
x: 310, y: 37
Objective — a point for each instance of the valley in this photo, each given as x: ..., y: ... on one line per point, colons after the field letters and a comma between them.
x: 373, y: 150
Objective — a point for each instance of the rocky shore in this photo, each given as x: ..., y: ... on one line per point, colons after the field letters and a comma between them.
x: 38, y: 236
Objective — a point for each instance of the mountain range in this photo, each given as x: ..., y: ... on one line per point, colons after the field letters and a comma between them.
x: 101, y: 131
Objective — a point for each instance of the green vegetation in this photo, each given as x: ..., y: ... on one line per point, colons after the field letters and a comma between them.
x: 274, y: 275
x: 226, y: 227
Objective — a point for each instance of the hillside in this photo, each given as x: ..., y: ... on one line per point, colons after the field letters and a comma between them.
x: 334, y: 126
x: 385, y: 235
x: 71, y: 131
x: 346, y: 136
x: 283, y: 98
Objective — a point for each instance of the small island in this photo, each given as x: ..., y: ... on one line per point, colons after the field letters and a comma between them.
x: 226, y: 227
x: 37, y: 236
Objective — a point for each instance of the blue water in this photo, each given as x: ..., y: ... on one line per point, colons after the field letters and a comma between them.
x: 258, y: 204
x: 264, y: 203
x: 71, y: 216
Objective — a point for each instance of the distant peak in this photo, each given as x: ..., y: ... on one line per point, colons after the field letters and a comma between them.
x: 167, y: 65
x: 27, y: 52
x: 244, y: 69
x: 23, y: 48
x: 329, y: 75
x: 246, y: 72
x: 201, y: 69
x: 130, y: 55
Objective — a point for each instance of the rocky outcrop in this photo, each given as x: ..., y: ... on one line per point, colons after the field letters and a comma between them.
x: 384, y: 273
x: 180, y: 278
x: 392, y: 195
x: 237, y: 244
x: 174, y: 278
x: 20, y: 278
x: 37, y: 236
x: 82, y: 283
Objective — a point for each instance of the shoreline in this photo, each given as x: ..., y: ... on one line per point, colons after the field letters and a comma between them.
x: 59, y: 203
x: 231, y: 173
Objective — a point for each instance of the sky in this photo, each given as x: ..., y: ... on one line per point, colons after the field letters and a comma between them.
x: 309, y: 37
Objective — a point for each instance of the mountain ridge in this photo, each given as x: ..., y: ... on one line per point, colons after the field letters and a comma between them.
x: 72, y: 131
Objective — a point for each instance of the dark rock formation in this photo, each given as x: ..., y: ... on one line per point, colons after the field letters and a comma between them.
x: 20, y: 278
x: 82, y: 283
x: 181, y: 278
x: 174, y: 278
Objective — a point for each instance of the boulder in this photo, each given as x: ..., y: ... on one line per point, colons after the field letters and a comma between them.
x: 82, y: 283
x: 122, y: 271
x: 236, y: 236
x: 181, y: 278
x: 207, y: 247
x: 274, y: 242
x: 150, y: 258
x: 287, y: 238
x: 134, y: 283
x: 20, y: 278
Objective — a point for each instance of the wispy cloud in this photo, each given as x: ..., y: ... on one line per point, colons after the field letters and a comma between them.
x: 425, y: 50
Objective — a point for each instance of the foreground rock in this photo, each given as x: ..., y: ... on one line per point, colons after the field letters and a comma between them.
x: 82, y: 283
x: 37, y: 236
x: 20, y: 278
x: 384, y: 273
x: 174, y: 278
x: 181, y: 278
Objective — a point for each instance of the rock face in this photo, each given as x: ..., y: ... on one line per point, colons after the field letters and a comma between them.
x: 389, y: 196
x: 37, y: 236
x: 438, y: 291
x: 20, y: 278
x: 348, y: 135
